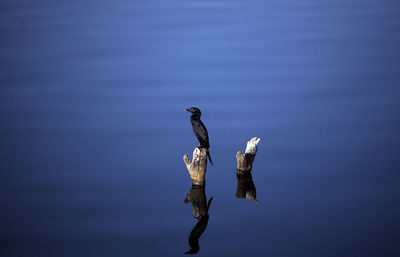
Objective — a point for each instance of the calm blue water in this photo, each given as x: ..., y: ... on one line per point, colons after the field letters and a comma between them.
x: 93, y: 127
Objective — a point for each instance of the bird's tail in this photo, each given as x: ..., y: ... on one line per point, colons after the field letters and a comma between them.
x: 209, y: 157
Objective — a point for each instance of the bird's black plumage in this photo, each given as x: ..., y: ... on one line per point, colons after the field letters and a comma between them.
x: 199, y: 130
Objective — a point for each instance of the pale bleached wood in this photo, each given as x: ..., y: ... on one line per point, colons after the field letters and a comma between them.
x: 246, y: 187
x: 197, y: 167
x: 245, y: 159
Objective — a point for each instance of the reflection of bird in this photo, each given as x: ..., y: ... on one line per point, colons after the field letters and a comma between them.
x: 197, y: 231
x: 199, y: 129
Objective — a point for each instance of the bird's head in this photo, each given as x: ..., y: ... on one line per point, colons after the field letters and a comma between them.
x: 194, y: 110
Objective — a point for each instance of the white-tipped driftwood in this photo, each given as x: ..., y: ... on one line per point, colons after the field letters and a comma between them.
x: 245, y: 159
x: 197, y: 167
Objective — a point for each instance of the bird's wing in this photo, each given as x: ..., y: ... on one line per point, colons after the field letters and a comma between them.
x: 202, y: 135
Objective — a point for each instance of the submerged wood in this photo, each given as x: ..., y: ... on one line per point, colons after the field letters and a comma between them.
x: 245, y: 159
x: 197, y: 167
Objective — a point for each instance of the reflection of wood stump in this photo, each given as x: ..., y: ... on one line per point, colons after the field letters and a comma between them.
x: 245, y: 159
x: 245, y: 186
x: 197, y: 196
x: 197, y: 167
x: 200, y: 207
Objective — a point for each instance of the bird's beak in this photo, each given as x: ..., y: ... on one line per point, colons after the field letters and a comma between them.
x: 187, y: 110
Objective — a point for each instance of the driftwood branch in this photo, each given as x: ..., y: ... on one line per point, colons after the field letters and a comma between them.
x: 245, y: 159
x: 197, y: 167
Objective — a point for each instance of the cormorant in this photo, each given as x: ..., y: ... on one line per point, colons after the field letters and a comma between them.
x: 199, y: 130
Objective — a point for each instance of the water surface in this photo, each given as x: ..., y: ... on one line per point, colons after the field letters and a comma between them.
x: 93, y: 129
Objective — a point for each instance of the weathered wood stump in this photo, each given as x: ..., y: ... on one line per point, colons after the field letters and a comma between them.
x: 245, y: 187
x: 198, y: 166
x: 245, y: 159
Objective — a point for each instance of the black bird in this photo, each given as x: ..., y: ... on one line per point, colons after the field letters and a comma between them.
x: 199, y: 130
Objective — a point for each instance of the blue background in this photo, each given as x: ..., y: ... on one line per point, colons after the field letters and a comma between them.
x: 93, y: 127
